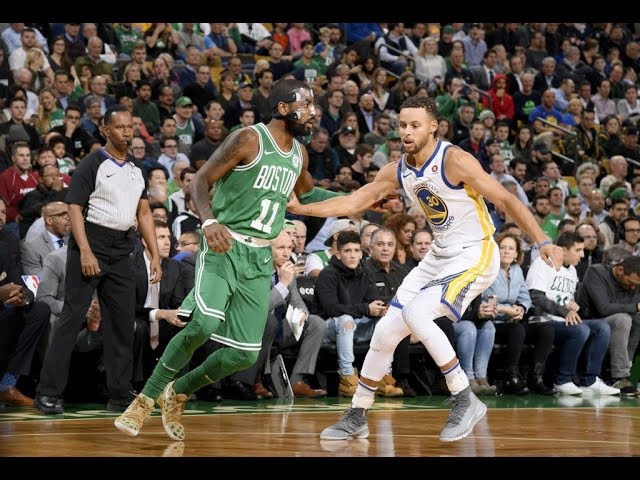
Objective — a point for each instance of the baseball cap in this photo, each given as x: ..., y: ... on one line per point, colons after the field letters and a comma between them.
x: 183, y: 102
x: 338, y: 226
x: 476, y: 25
x: 541, y: 147
x: 631, y: 131
x: 17, y: 133
x: 485, y: 114
x: 392, y: 135
x: 447, y: 29
x: 347, y: 129
x: 619, y: 193
x: 491, y: 141
x: 245, y: 84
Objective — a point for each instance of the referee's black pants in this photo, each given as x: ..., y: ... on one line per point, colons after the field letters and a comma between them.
x: 116, y: 292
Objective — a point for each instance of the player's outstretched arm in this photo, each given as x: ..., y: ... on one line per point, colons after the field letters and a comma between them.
x: 385, y: 183
x: 462, y: 167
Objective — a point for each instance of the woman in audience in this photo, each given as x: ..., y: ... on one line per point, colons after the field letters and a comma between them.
x: 609, y: 139
x: 130, y: 79
x: 227, y: 89
x: 523, y: 143
x: 364, y: 76
x: 403, y: 226
x: 49, y: 115
x: 379, y: 90
x: 444, y: 131
x: 512, y: 329
x: 58, y: 58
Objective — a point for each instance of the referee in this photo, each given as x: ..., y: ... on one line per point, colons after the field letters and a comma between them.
x: 106, y: 194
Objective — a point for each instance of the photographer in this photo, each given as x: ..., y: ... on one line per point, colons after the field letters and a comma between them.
x: 456, y: 95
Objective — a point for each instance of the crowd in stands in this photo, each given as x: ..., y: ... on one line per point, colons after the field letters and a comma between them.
x: 551, y: 110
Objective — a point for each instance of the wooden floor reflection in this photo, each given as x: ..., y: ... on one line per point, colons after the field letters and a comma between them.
x: 512, y: 432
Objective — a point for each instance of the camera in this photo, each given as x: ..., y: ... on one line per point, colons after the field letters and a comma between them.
x: 465, y: 91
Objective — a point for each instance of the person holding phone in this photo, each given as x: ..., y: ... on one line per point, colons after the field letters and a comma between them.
x: 510, y: 295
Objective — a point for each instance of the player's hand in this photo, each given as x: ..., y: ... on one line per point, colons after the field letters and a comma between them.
x: 552, y: 255
x: 89, y: 263
x: 294, y: 206
x: 218, y: 238
x: 156, y: 270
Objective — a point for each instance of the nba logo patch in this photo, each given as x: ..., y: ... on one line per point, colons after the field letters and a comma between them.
x: 434, y: 169
x: 32, y: 282
x: 296, y: 161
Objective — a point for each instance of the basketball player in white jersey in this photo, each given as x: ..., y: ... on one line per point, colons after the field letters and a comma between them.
x: 449, y: 185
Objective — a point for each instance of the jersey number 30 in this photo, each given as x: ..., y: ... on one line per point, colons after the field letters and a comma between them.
x: 265, y: 206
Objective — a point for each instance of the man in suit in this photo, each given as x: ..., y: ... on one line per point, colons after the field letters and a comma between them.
x: 51, y: 291
x: 57, y: 227
x: 17, y: 308
x: 156, y: 304
x: 284, y: 292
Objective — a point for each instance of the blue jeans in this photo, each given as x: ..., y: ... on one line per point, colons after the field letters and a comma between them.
x: 474, y: 347
x: 344, y: 338
x: 569, y: 339
x: 596, y: 349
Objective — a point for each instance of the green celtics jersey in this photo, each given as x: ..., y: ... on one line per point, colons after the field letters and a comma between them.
x: 251, y: 199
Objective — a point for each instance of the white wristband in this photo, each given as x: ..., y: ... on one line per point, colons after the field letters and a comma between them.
x: 206, y: 223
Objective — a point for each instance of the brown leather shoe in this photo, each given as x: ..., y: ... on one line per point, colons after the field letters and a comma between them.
x: 302, y: 389
x: 259, y: 389
x: 15, y: 398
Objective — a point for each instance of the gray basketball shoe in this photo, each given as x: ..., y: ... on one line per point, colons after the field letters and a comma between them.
x: 466, y: 411
x: 352, y: 425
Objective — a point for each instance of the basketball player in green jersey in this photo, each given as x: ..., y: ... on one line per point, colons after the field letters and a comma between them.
x: 254, y: 170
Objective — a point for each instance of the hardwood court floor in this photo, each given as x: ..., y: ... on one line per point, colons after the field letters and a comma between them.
x: 514, y: 426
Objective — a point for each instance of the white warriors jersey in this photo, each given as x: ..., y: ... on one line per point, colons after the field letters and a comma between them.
x: 456, y: 214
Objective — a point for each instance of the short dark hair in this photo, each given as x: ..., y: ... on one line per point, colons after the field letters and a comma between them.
x: 631, y: 265
x: 160, y: 224
x: 568, y: 239
x: 347, y: 236
x: 429, y: 104
x: 154, y: 205
x: 186, y: 171
x: 108, y: 116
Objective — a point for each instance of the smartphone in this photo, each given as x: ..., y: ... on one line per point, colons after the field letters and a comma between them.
x: 492, y: 300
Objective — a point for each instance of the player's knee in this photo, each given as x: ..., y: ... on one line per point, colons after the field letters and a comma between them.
x: 414, y: 318
x: 385, y: 338
x: 241, y: 359
x: 200, y: 328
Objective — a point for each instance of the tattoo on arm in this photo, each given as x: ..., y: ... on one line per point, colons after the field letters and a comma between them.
x: 227, y: 152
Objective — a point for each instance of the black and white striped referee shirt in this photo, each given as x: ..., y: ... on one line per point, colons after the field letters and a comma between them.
x: 108, y: 190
